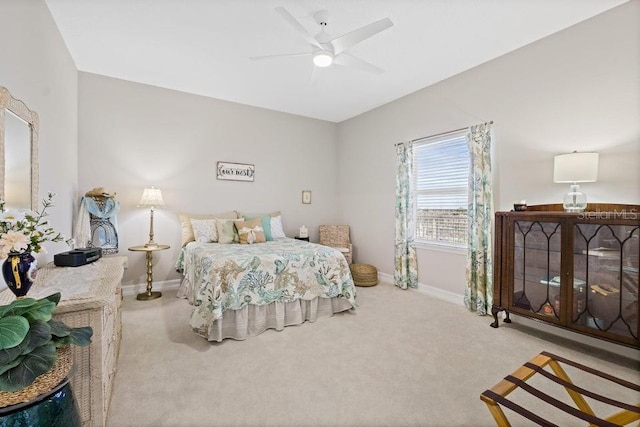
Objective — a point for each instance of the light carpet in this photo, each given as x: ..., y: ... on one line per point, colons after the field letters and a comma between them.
x: 401, y: 359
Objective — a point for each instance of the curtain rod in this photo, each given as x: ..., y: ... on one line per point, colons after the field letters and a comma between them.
x: 439, y: 134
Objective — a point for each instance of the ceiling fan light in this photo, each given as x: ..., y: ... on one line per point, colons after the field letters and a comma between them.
x: 322, y: 59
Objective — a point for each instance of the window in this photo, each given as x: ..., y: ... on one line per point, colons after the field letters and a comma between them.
x: 441, y: 173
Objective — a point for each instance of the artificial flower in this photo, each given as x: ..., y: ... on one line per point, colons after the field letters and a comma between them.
x: 24, y: 230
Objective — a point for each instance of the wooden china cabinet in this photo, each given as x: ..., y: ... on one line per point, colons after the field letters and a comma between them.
x: 574, y: 270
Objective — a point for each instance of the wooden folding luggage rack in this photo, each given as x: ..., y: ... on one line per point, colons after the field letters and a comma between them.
x: 496, y: 396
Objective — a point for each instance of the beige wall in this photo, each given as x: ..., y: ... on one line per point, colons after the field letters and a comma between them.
x: 133, y: 135
x: 37, y: 68
x: 575, y: 90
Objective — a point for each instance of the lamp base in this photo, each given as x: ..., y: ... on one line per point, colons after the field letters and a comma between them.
x: 574, y: 200
x: 146, y: 296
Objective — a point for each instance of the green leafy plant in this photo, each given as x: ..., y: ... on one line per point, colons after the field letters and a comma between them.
x: 29, y: 337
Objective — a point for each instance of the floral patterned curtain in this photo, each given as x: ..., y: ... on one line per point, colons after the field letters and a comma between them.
x: 406, y: 264
x: 479, y: 293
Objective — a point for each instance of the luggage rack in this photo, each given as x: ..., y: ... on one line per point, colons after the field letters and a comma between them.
x: 496, y: 396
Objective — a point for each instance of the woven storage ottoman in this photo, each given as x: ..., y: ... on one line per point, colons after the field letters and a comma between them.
x: 364, y: 274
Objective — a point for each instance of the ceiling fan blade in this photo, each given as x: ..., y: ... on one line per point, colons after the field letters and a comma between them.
x: 295, y: 24
x: 344, y: 42
x: 284, y: 55
x: 347, y: 60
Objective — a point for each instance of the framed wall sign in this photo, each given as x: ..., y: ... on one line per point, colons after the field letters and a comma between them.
x: 306, y: 197
x: 236, y: 171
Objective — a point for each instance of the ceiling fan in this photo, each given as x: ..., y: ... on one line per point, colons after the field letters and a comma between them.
x: 328, y: 50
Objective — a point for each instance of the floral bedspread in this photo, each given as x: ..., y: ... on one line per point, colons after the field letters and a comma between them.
x: 230, y: 276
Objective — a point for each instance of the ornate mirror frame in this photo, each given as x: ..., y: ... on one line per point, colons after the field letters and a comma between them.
x: 20, y: 109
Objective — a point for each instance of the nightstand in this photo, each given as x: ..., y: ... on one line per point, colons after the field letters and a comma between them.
x: 306, y: 239
x: 149, y: 250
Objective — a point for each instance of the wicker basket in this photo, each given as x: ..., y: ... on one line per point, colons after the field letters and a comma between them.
x: 364, y: 274
x: 44, y: 383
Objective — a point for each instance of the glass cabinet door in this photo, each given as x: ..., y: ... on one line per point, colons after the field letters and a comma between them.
x: 606, y: 259
x: 536, y: 268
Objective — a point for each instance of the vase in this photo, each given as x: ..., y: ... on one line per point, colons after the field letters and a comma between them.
x: 56, y: 408
x: 19, y: 272
x: 47, y: 402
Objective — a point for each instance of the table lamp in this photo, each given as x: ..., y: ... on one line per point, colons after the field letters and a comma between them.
x: 573, y: 168
x: 151, y: 198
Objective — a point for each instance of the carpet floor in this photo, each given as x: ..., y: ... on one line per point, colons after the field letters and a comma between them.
x: 401, y: 359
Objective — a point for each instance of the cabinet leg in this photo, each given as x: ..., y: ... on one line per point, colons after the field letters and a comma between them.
x: 507, y: 319
x: 494, y: 312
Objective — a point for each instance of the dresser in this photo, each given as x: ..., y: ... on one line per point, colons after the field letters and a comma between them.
x: 578, y: 271
x: 91, y: 296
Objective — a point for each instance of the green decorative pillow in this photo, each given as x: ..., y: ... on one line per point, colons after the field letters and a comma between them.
x: 227, y: 232
x: 250, y: 231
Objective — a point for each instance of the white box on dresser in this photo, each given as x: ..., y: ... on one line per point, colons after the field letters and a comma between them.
x: 91, y: 296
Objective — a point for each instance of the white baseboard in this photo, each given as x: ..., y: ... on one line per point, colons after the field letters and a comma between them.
x: 454, y: 298
x: 432, y: 291
x: 385, y: 278
x: 137, y: 288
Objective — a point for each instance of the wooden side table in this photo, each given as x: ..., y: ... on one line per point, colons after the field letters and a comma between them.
x: 306, y: 239
x: 149, y: 251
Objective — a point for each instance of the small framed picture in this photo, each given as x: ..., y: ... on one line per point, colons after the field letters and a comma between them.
x: 306, y: 197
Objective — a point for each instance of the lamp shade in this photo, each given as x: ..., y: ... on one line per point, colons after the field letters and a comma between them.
x: 575, y: 167
x: 151, y: 198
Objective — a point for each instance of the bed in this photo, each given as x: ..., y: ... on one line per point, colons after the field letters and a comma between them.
x: 240, y: 290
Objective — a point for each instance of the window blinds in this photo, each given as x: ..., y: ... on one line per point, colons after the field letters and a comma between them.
x: 441, y: 172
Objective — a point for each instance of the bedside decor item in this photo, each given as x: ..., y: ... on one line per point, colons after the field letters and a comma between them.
x: 520, y: 206
x: 306, y: 197
x: 97, y: 225
x: 573, y: 168
x: 21, y: 233
x: 236, y: 171
x: 303, y: 232
x: 151, y: 198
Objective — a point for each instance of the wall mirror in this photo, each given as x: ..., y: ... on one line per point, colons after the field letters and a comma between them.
x: 18, y: 153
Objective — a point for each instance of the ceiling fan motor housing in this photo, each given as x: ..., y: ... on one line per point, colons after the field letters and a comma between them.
x: 321, y: 17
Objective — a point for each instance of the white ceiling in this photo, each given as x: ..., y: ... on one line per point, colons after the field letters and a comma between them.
x: 203, y: 46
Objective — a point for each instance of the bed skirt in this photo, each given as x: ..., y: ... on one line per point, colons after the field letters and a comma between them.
x: 252, y: 320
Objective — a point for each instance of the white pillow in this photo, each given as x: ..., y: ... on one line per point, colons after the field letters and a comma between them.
x: 204, y: 230
x: 277, y: 232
